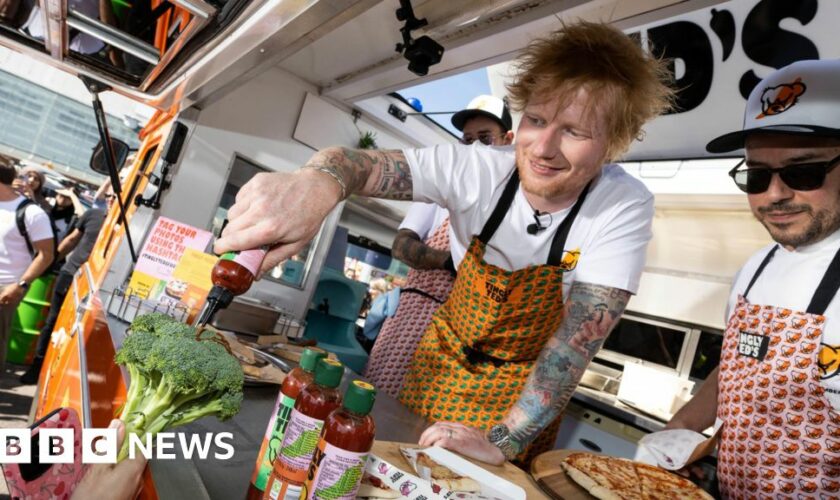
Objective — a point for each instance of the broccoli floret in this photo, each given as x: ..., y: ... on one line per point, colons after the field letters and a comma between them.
x: 175, y: 378
x: 150, y: 322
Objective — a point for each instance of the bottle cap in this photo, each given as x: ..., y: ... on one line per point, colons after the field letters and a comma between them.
x: 360, y: 397
x: 328, y: 372
x: 310, y: 358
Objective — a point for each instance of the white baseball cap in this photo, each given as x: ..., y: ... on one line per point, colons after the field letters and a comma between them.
x: 801, y: 98
x: 486, y: 105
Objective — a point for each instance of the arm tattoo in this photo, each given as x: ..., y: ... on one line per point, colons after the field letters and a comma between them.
x: 410, y: 249
x: 591, y: 312
x: 379, y: 174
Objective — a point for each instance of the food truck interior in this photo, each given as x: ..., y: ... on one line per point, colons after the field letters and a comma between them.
x: 259, y: 85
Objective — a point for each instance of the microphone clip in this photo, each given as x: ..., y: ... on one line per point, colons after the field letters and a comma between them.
x: 537, y: 225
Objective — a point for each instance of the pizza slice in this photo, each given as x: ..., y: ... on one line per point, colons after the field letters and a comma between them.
x: 605, y: 478
x: 659, y: 483
x: 444, y: 476
x: 374, y: 489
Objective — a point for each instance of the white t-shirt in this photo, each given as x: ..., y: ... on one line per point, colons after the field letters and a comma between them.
x: 424, y: 219
x: 612, y: 229
x: 789, y: 281
x: 14, y: 256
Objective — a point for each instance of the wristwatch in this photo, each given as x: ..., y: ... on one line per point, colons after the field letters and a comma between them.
x: 23, y: 284
x: 499, y: 435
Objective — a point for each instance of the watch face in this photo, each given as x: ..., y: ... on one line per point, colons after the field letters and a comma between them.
x: 498, y: 432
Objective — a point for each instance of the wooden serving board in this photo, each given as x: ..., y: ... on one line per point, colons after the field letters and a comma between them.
x: 554, y: 481
x: 390, y: 452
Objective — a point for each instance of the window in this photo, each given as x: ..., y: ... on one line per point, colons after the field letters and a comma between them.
x: 649, y: 341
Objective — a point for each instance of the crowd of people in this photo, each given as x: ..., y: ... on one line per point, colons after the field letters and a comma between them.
x: 43, y: 231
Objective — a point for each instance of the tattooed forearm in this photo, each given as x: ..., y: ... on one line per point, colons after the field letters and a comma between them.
x: 409, y: 248
x: 379, y: 174
x: 591, y: 312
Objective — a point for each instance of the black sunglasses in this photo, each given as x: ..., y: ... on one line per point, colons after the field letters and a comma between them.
x: 485, y: 138
x: 799, y: 177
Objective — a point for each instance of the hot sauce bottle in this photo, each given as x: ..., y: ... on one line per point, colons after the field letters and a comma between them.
x: 313, y: 406
x: 339, y: 461
x: 232, y: 275
x: 293, y: 384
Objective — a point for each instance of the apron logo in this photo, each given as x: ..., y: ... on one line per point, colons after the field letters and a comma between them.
x: 496, y: 293
x: 753, y: 346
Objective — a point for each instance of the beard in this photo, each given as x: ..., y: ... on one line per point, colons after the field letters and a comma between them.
x: 821, y: 224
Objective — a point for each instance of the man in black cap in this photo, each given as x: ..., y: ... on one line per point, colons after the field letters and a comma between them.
x: 423, y: 243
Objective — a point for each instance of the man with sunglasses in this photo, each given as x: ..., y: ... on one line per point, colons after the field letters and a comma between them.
x: 777, y: 389
x: 423, y: 243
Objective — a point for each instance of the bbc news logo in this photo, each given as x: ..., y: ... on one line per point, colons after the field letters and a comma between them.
x: 99, y: 446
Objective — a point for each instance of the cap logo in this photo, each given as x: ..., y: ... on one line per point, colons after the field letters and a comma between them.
x: 778, y: 99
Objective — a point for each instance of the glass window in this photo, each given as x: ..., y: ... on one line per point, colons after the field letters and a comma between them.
x: 707, y: 355
x: 646, y: 341
x: 293, y: 271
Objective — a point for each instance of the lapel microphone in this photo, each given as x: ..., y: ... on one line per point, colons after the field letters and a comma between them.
x: 537, y: 225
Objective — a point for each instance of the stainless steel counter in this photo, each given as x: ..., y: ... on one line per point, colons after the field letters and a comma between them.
x: 609, y: 405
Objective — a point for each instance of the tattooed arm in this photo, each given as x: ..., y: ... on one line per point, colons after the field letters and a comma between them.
x: 591, y: 312
x: 409, y: 248
x: 285, y: 210
x: 375, y: 173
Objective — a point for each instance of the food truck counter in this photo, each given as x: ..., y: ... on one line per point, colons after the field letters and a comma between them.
x: 229, y: 479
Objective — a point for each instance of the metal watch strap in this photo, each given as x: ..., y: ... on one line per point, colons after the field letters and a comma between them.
x: 499, y: 435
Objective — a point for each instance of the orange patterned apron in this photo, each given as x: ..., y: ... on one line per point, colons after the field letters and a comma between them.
x: 474, y: 359
x: 780, y: 437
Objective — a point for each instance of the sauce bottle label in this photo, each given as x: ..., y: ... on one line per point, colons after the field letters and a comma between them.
x: 272, y: 439
x: 334, y: 474
x: 249, y: 259
x: 299, y: 444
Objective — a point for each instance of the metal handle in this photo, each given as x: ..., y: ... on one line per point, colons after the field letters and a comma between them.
x: 112, y: 36
x: 589, y: 445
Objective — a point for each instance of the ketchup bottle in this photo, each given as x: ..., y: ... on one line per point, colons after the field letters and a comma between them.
x: 231, y: 276
x: 339, y: 461
x: 313, y: 406
x: 295, y: 381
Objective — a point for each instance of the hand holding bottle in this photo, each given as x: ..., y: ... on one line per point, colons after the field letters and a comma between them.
x: 282, y: 210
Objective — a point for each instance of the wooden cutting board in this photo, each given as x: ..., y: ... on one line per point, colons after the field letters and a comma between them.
x: 551, y: 477
x: 390, y: 452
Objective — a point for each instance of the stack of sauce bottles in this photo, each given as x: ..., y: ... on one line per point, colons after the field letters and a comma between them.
x: 293, y: 384
x: 313, y: 406
x: 338, y: 464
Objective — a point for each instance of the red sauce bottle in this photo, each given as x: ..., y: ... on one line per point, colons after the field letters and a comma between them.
x: 339, y: 461
x: 313, y: 406
x: 293, y: 384
x: 232, y: 275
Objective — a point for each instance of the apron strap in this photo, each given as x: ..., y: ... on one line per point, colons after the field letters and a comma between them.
x: 501, y: 209
x: 827, y: 288
x: 767, y: 259
x: 558, y: 243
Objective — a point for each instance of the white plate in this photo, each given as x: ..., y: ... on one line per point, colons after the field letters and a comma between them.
x: 491, y: 484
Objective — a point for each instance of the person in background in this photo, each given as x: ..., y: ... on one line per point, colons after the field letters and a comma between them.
x: 19, y: 267
x: 31, y: 183
x: 80, y: 242
x: 551, y: 238
x: 422, y: 242
x: 776, y: 391
x: 65, y: 211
